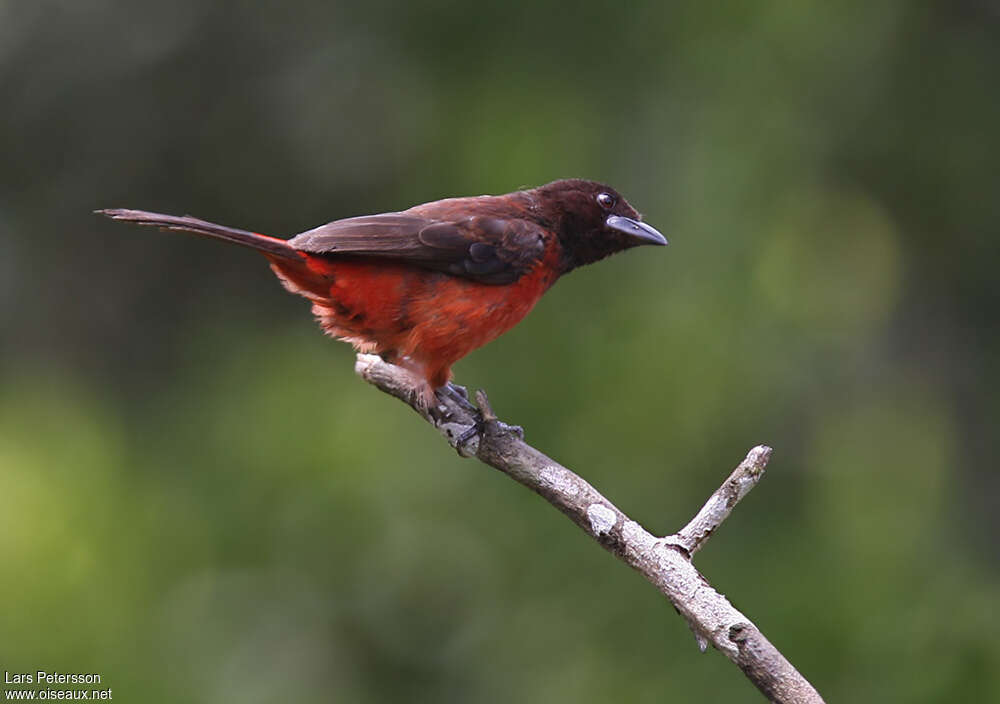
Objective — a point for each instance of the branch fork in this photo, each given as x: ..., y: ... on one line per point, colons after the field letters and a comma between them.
x: 666, y: 561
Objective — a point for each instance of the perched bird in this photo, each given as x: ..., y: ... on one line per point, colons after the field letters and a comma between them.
x: 424, y: 287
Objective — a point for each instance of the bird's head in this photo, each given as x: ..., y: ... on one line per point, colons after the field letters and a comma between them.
x: 593, y: 221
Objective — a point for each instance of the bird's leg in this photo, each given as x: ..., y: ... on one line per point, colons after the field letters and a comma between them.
x: 462, y: 435
x: 459, y: 395
x: 440, y: 401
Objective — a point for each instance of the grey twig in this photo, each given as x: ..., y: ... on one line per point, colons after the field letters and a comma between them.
x: 718, y: 507
x: 665, y: 562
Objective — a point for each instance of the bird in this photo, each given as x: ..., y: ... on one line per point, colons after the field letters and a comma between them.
x: 424, y: 287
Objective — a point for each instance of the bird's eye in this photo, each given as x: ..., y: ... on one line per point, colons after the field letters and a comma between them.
x: 606, y: 200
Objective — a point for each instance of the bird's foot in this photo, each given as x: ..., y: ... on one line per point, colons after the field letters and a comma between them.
x: 441, y: 398
x: 466, y: 438
x: 486, y: 419
x: 458, y: 394
x: 456, y: 426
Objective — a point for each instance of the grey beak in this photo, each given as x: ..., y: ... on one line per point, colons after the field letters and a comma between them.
x: 638, y: 231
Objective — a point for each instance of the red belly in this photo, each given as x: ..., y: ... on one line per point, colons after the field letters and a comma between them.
x: 423, y: 319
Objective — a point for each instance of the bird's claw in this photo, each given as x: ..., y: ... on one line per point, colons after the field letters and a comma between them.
x: 454, y: 424
x: 478, y: 431
x: 467, y: 441
x: 474, y: 431
x: 515, y: 429
x: 459, y: 395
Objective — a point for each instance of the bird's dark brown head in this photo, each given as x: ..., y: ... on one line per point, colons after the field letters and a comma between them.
x: 593, y: 221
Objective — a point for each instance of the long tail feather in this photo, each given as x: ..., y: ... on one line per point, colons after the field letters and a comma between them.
x: 262, y: 243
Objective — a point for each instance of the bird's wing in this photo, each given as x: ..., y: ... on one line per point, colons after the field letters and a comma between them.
x: 491, y: 250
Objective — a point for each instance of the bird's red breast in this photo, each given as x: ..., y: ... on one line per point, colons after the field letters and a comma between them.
x: 425, y: 320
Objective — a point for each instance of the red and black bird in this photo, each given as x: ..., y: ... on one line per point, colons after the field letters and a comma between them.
x: 423, y: 287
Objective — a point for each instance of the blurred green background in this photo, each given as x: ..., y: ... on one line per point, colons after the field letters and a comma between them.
x: 200, y: 501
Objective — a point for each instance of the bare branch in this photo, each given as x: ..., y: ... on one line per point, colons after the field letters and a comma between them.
x: 718, y: 507
x: 665, y: 562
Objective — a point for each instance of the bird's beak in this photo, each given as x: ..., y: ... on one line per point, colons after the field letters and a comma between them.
x: 639, y: 232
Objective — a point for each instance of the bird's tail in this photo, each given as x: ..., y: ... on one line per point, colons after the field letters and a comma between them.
x: 271, y: 246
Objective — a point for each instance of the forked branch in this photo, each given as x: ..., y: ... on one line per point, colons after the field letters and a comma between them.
x: 665, y: 562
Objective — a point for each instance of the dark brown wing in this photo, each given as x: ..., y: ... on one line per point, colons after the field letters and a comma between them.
x: 490, y: 250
